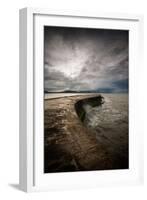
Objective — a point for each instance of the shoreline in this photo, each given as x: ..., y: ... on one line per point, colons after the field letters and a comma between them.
x: 60, y: 95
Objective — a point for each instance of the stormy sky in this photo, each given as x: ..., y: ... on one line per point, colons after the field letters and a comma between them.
x: 81, y: 59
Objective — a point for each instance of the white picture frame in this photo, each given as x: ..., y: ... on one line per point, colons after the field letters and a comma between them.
x: 31, y: 100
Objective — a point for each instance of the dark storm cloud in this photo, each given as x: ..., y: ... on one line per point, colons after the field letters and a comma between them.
x: 85, y: 59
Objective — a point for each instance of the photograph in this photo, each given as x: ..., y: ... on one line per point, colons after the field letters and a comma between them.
x: 86, y: 99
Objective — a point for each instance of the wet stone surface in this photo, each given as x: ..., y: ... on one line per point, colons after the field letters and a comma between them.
x: 100, y: 142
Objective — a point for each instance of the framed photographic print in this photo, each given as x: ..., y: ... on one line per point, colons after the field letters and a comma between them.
x: 79, y: 84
